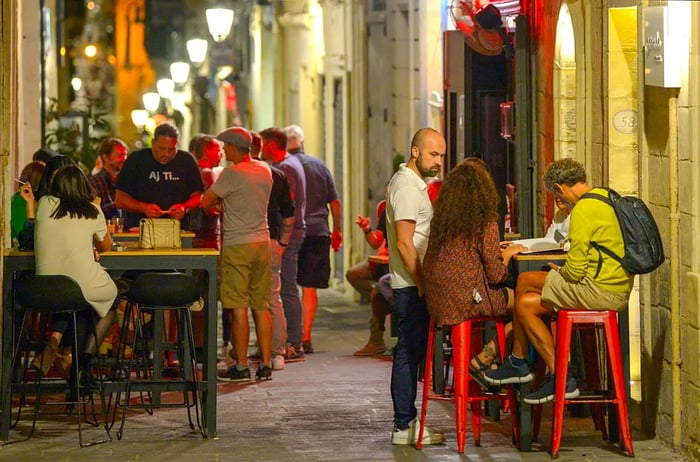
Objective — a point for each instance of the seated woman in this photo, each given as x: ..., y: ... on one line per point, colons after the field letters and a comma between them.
x: 464, y: 268
x: 31, y: 176
x: 68, y: 224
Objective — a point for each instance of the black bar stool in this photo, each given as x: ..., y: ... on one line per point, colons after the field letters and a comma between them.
x: 140, y: 371
x: 44, y: 296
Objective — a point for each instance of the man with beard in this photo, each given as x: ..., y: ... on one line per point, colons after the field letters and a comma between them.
x: 112, y: 155
x: 408, y: 215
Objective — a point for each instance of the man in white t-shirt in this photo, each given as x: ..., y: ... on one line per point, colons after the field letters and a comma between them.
x: 408, y: 215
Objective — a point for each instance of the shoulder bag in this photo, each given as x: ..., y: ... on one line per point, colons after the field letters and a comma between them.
x: 159, y: 233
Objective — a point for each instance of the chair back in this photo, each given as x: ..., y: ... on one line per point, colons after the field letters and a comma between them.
x: 163, y: 289
x: 50, y: 294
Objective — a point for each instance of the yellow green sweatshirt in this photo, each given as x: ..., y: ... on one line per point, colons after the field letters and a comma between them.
x: 594, y: 220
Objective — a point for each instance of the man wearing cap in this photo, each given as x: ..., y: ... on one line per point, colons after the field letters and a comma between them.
x: 243, y: 190
x: 274, y: 150
x: 160, y: 181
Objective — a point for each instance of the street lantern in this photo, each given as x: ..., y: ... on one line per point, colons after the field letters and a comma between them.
x: 151, y: 101
x: 219, y: 21
x: 197, y: 50
x: 180, y: 72
x: 139, y: 117
x: 166, y: 88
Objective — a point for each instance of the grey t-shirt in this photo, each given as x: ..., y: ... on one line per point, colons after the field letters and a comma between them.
x: 244, y: 189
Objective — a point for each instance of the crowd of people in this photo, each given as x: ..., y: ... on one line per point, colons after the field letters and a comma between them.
x: 268, y: 213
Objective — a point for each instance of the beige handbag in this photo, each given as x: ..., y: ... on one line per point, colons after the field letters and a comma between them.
x: 159, y: 233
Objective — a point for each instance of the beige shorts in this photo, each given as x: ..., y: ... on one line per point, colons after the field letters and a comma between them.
x: 582, y: 295
x: 245, y: 276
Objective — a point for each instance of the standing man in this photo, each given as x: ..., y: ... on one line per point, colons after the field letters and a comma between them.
x: 158, y: 181
x: 280, y: 218
x: 274, y: 150
x: 408, y: 215
x: 314, y: 259
x: 243, y: 190
x: 112, y: 154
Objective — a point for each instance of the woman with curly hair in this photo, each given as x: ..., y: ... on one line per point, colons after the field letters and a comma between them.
x: 465, y: 268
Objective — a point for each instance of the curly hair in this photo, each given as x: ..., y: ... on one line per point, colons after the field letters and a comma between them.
x: 468, y: 200
x: 564, y: 171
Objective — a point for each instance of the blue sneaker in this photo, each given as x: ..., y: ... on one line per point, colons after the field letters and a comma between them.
x: 509, y: 373
x: 546, y: 392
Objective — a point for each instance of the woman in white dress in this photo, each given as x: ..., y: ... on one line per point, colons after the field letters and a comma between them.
x: 68, y: 224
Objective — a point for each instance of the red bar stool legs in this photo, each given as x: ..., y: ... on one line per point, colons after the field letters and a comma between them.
x: 465, y: 391
x: 566, y: 320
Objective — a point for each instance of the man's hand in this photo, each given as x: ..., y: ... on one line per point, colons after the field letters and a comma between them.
x: 153, y: 211
x: 363, y: 222
x: 336, y: 240
x: 177, y: 211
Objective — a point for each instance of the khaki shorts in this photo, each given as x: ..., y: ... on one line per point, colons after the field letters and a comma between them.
x: 582, y: 295
x: 245, y: 276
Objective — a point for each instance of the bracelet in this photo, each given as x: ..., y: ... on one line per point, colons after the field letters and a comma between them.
x: 283, y: 244
x: 368, y: 231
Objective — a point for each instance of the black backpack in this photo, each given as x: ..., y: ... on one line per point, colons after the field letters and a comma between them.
x: 644, y: 251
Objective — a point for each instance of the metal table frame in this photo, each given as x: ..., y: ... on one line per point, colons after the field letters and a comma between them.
x: 185, y: 259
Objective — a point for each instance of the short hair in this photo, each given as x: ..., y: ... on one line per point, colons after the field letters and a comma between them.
x: 418, y: 137
x: 166, y: 129
x: 255, y: 144
x: 564, y: 171
x: 199, y: 142
x: 43, y: 154
x: 278, y: 136
x: 295, y: 132
x: 108, y: 145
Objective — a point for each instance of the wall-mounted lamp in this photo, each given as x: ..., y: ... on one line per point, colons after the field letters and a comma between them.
x: 76, y: 83
x: 166, y: 88
x: 151, y: 101
x: 180, y: 72
x: 139, y: 117
x: 219, y: 21
x: 197, y: 50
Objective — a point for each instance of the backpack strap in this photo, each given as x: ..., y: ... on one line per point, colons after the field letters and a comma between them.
x: 601, y: 249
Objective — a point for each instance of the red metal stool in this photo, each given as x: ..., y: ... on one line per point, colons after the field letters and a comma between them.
x: 566, y: 320
x: 465, y: 391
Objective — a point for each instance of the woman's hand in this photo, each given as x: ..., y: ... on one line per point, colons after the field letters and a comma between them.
x: 26, y: 192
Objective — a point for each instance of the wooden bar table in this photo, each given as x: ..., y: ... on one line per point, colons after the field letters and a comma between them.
x: 116, y: 262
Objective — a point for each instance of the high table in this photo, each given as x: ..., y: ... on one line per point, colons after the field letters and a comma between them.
x: 132, y: 259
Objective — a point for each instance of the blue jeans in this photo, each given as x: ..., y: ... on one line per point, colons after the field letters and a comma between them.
x: 291, y: 299
x: 411, y: 314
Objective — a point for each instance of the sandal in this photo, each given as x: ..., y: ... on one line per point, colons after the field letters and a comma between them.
x: 477, y: 374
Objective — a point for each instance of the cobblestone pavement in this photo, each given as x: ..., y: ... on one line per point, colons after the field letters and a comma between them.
x: 331, y: 407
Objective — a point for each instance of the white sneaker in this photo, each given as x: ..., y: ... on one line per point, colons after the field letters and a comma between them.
x: 410, y: 435
x: 224, y: 364
x: 277, y: 362
x: 224, y: 351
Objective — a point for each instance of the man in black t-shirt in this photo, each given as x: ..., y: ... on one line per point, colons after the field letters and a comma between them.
x: 161, y: 181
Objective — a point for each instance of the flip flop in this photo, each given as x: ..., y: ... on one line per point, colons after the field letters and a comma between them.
x: 476, y: 373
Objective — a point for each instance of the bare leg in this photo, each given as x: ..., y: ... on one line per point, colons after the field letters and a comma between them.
x: 241, y: 334
x: 263, y: 330
x: 530, y: 326
x: 309, y: 302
